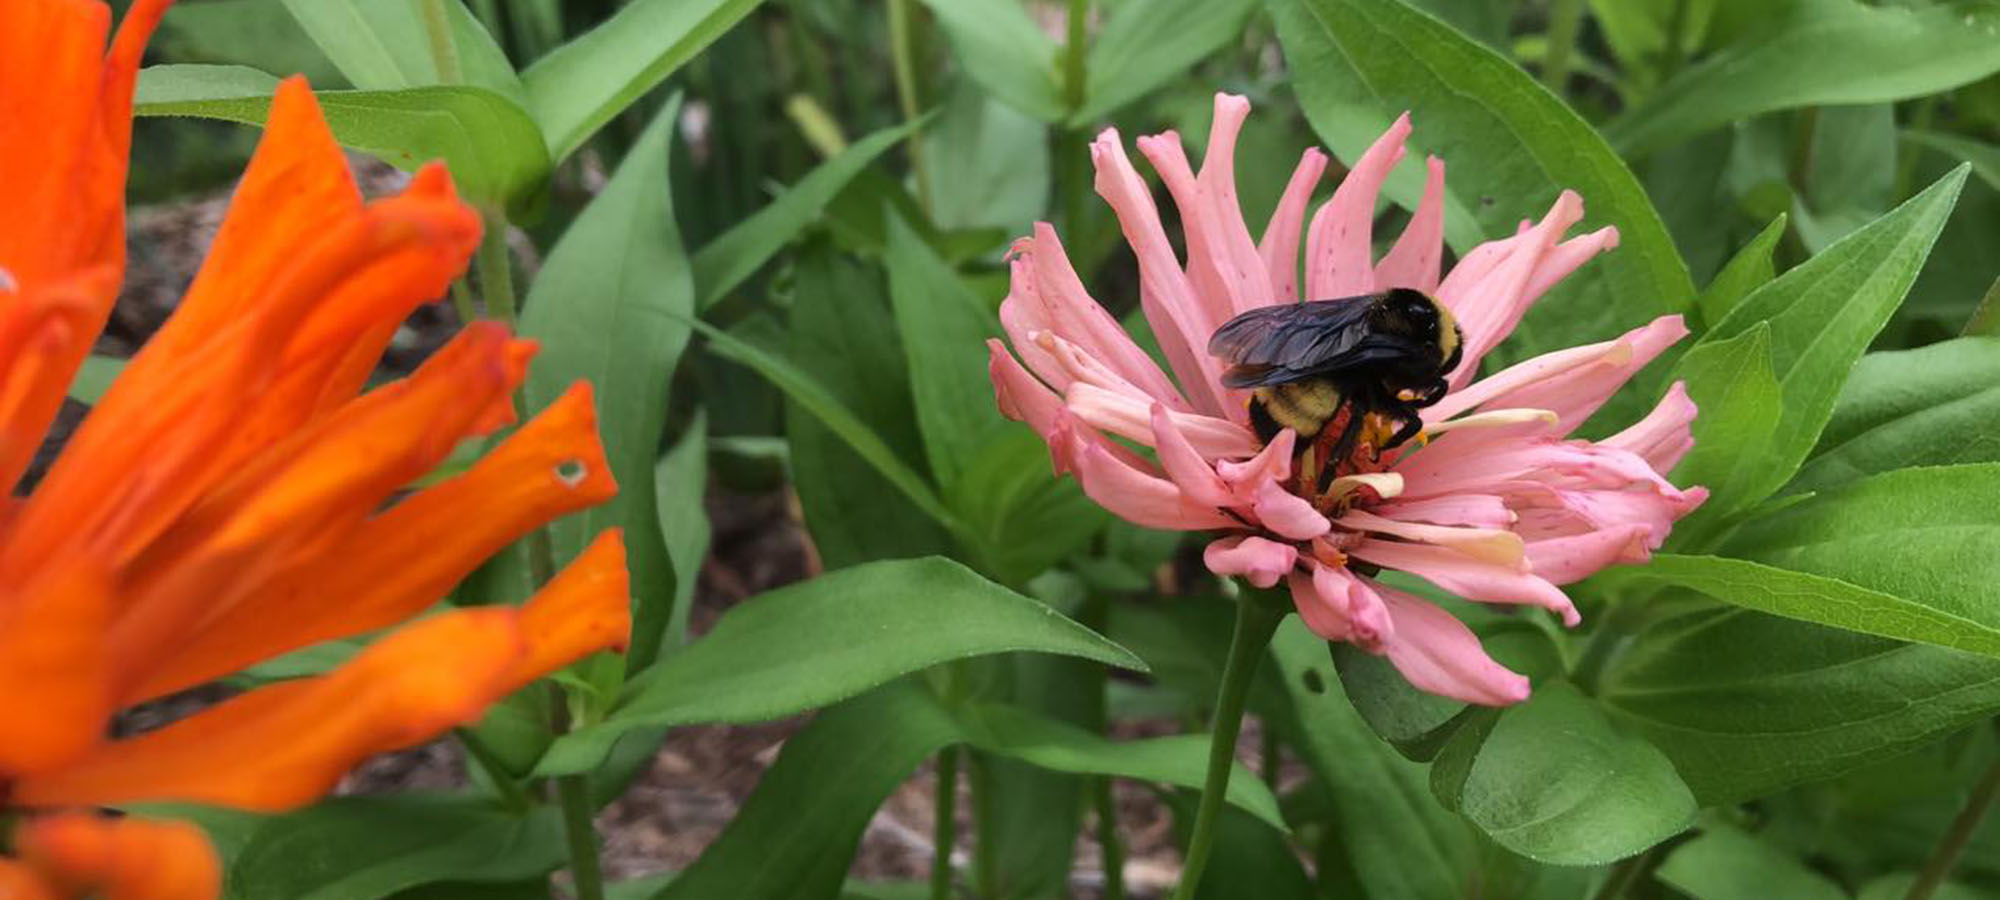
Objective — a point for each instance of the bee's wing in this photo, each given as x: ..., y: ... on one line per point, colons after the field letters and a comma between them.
x: 1276, y: 344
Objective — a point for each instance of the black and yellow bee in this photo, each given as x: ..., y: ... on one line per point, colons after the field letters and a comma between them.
x: 1375, y: 356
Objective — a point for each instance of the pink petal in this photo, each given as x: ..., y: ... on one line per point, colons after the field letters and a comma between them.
x: 1490, y: 545
x: 1021, y: 396
x: 1567, y: 560
x: 1184, y: 464
x: 1181, y: 320
x: 1287, y: 514
x: 1437, y: 653
x: 1338, y: 606
x: 1467, y: 577
x: 1340, y: 253
x: 1261, y: 562
x: 1478, y: 510
x: 1570, y: 384
x: 1567, y: 257
x: 1273, y: 463
x: 1280, y: 246
x: 1131, y: 416
x: 1138, y: 497
x: 1022, y: 320
x: 1490, y: 303
x: 1664, y: 436
x: 1077, y: 318
x: 1415, y: 260
x: 1228, y: 274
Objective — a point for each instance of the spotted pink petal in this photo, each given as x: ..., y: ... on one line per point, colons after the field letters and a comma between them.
x: 1467, y: 576
x: 1414, y: 261
x: 1665, y: 435
x: 1340, y: 247
x: 1280, y: 246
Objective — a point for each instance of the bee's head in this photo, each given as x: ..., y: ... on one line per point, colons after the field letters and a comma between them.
x: 1415, y: 315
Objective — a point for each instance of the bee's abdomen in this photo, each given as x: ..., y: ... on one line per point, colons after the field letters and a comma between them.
x: 1303, y: 406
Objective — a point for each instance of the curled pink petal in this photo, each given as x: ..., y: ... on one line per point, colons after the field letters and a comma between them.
x: 1437, y: 653
x: 1021, y: 397
x: 1072, y: 313
x: 1280, y: 246
x: 1261, y: 562
x: 1469, y: 577
x: 1665, y: 435
x: 1184, y: 464
x: 1414, y: 261
x: 1568, y: 560
x: 1273, y: 463
x: 1131, y: 417
x: 1340, y: 249
x: 1337, y: 606
x: 1476, y: 510
x: 1139, y: 497
x: 1287, y: 514
x: 1489, y: 307
x: 1490, y: 545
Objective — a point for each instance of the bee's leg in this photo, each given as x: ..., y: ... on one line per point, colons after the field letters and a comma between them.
x: 1412, y: 424
x: 1336, y: 456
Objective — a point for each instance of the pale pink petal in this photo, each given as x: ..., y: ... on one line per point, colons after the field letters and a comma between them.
x: 1575, y: 393
x: 1287, y: 514
x: 1567, y: 257
x: 1181, y: 320
x: 1184, y: 464
x: 1131, y: 417
x: 1258, y: 560
x: 1468, y: 577
x: 1567, y: 560
x: 1490, y: 545
x: 1273, y: 463
x: 1340, y: 250
x: 1138, y: 497
x: 1021, y: 317
x: 1337, y: 606
x: 1477, y: 510
x: 1664, y: 436
x: 1437, y: 653
x: 1073, y: 315
x: 1239, y: 265
x: 1490, y: 306
x: 1021, y: 396
x: 1415, y: 260
x: 1280, y: 246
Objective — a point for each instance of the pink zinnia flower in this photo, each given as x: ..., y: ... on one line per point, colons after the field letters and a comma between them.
x: 1494, y: 502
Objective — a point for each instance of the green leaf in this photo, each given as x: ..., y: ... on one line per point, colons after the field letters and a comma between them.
x: 1510, y: 144
x: 1400, y: 844
x: 1823, y: 53
x: 1416, y: 722
x: 795, y: 835
x: 1822, y: 315
x: 611, y: 307
x: 492, y: 147
x: 1557, y: 780
x: 375, y: 846
x: 1896, y: 887
x: 989, y: 164
x: 1751, y: 268
x: 724, y: 263
x: 1746, y: 703
x: 581, y: 85
x: 1725, y: 863
x: 680, y: 481
x: 384, y: 45
x: 999, y: 46
x: 1851, y: 180
x: 1818, y: 599
x: 255, y: 33
x: 1146, y: 43
x: 944, y: 330
x: 828, y: 409
x: 1984, y: 157
x: 810, y: 644
x: 1740, y: 402
x: 1930, y: 406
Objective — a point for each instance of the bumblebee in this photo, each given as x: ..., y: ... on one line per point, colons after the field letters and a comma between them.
x: 1329, y: 368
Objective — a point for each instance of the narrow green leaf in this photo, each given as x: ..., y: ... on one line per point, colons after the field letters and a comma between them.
x: 375, y: 846
x: 1818, y: 599
x: 1510, y: 144
x: 384, y: 45
x: 999, y: 46
x: 1740, y: 402
x: 611, y: 307
x: 1821, y: 53
x: 1984, y: 157
x: 819, y: 641
x: 680, y: 481
x: 1930, y: 406
x: 1146, y: 43
x: 581, y: 85
x: 733, y: 256
x: 492, y: 147
x: 1556, y: 780
x: 1823, y: 313
x: 1750, y: 269
x: 989, y: 164
x: 944, y: 330
x: 1725, y: 863
x: 829, y: 410
x: 255, y: 33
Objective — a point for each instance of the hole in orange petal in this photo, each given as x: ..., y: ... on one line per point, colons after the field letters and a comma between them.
x: 571, y: 472
x: 7, y: 282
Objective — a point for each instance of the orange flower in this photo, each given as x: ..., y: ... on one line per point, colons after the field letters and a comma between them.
x: 235, y: 494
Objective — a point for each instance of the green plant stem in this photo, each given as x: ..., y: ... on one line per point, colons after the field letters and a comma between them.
x: 1676, y: 52
x: 461, y: 302
x: 496, y: 272
x: 1108, y: 842
x: 1799, y: 170
x: 444, y: 52
x: 945, y: 832
x: 573, y: 791
x: 1074, y: 54
x: 985, y: 867
x: 903, y: 50
x: 1565, y: 20
x: 1952, y: 846
x: 1256, y: 620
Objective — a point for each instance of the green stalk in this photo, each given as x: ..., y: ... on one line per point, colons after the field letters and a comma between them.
x: 944, y: 833
x: 902, y: 47
x: 496, y: 273
x: 1908, y: 150
x: 1107, y: 839
x: 1073, y: 172
x: 574, y: 794
x: 1565, y: 20
x: 461, y: 302
x: 1952, y: 846
x: 1074, y: 54
x: 1255, y: 622
x: 444, y: 52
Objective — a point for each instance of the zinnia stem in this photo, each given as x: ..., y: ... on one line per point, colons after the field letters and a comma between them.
x: 573, y: 791
x: 1565, y: 20
x: 1952, y: 846
x: 496, y: 271
x: 903, y: 49
x: 944, y: 833
x: 1108, y: 842
x: 1256, y: 620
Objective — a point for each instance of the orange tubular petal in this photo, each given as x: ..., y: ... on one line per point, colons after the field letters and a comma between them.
x: 283, y: 746
x: 51, y: 64
x: 122, y: 859
x: 43, y: 333
x: 19, y: 881
x: 585, y: 609
x: 54, y: 683
x: 404, y: 559
x: 292, y: 502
